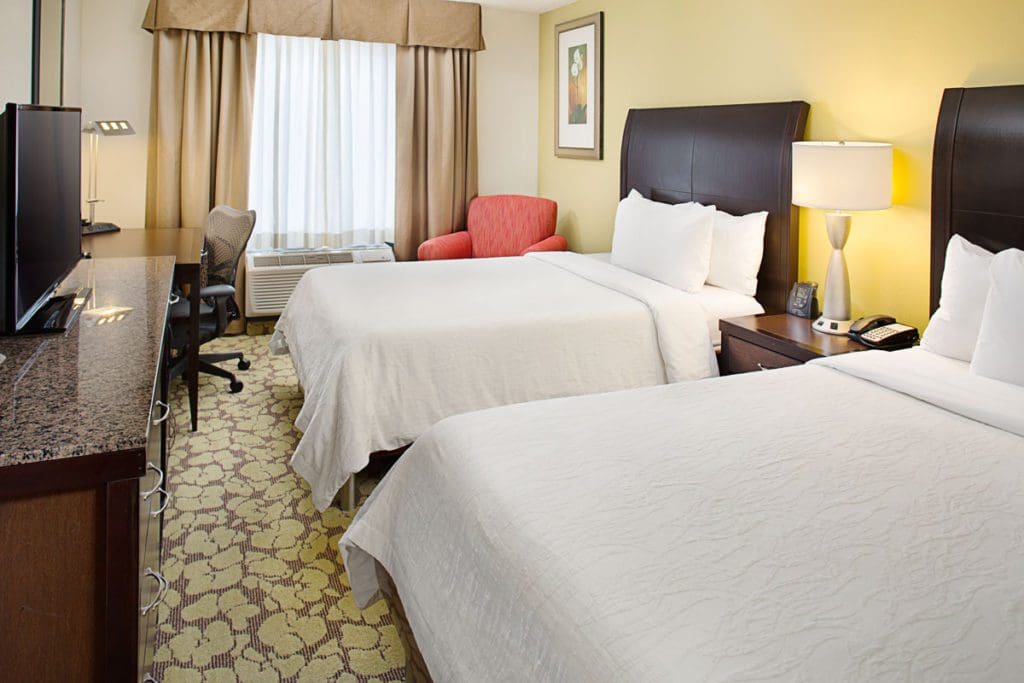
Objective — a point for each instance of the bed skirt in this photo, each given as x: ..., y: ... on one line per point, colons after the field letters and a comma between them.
x: 415, y: 668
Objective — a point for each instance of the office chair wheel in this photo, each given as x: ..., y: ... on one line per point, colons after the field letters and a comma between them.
x: 243, y: 364
x: 236, y: 386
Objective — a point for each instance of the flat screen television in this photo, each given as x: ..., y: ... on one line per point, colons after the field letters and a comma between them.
x: 40, y: 207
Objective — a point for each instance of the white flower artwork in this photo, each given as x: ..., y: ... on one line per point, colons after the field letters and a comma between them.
x: 578, y: 86
x: 578, y: 131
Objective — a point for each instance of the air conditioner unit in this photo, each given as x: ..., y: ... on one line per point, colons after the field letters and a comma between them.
x: 271, y: 276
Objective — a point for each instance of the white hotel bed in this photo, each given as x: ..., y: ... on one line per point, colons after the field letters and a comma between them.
x: 381, y: 359
x: 383, y: 356
x: 852, y: 519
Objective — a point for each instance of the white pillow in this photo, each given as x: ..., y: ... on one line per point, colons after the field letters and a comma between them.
x: 665, y: 242
x: 953, y: 330
x: 635, y: 195
x: 998, y: 354
x: 737, y: 245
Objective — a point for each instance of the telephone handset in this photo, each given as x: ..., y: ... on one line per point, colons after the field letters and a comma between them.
x: 883, y: 332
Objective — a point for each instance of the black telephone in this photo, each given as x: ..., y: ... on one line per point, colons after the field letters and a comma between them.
x: 883, y: 332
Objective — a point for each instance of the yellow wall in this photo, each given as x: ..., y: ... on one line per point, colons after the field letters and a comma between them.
x: 871, y: 70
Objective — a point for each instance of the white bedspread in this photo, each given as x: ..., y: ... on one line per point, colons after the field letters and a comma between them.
x: 385, y: 351
x: 718, y: 303
x: 798, y: 524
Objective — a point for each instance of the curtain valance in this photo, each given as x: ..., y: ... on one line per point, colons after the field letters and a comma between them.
x: 431, y: 23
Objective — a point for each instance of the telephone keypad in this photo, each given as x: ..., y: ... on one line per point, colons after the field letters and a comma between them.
x: 878, y: 334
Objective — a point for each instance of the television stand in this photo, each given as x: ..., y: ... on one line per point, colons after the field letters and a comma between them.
x: 58, y: 314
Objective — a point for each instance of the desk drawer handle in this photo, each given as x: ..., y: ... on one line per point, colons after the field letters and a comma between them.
x: 173, y: 299
x: 167, y: 413
x: 167, y: 501
x: 160, y: 593
x: 159, y: 482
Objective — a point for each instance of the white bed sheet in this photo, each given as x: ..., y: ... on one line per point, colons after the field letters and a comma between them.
x: 385, y: 351
x: 799, y: 524
x: 718, y: 304
x: 944, y: 382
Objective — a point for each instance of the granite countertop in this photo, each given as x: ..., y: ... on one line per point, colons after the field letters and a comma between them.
x: 88, y: 390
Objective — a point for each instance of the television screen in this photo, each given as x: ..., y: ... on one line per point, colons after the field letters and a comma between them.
x: 44, y: 160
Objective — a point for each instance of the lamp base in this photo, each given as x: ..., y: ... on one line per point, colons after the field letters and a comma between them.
x: 830, y: 326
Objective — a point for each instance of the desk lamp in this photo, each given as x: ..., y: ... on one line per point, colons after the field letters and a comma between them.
x: 98, y: 129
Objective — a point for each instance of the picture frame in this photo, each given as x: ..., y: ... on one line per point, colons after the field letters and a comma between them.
x: 579, y: 88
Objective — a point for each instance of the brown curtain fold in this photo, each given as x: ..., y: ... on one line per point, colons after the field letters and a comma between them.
x: 436, y: 144
x: 200, y: 123
x: 433, y: 23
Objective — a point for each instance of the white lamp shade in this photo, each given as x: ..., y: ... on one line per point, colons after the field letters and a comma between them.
x: 842, y: 176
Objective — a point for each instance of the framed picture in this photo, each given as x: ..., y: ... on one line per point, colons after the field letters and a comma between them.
x: 579, y: 76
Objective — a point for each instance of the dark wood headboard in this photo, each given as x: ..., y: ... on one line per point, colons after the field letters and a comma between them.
x: 738, y: 157
x: 977, y: 172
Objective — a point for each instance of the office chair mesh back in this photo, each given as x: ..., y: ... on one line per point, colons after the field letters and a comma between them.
x: 227, y: 233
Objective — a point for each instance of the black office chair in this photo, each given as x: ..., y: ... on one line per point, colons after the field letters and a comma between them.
x: 227, y: 234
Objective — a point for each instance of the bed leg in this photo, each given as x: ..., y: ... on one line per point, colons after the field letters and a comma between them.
x: 348, y: 495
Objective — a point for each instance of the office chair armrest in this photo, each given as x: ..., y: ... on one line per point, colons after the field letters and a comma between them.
x: 183, y: 308
x: 216, y: 292
x: 220, y: 295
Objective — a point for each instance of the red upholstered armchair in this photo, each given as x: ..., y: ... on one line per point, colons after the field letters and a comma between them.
x: 500, y: 225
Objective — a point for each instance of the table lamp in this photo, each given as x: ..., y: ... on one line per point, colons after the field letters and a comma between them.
x: 98, y: 129
x: 840, y: 177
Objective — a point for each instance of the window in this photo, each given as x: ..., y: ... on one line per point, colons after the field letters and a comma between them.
x: 322, y: 168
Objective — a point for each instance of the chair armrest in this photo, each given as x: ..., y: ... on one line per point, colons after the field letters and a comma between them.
x: 216, y: 292
x: 553, y: 243
x: 183, y: 308
x: 220, y: 294
x: 456, y: 245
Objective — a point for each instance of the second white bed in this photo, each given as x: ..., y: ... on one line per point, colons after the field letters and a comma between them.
x: 846, y: 523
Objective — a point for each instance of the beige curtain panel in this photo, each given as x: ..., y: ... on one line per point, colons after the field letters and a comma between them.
x: 431, y: 23
x: 200, y: 122
x: 436, y: 144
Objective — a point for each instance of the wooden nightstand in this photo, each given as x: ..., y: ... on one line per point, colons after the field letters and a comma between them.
x: 767, y: 342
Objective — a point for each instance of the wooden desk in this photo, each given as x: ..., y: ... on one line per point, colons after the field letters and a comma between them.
x: 186, y: 246
x: 83, y: 481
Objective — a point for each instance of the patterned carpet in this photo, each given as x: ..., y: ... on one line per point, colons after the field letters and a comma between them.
x: 258, y: 592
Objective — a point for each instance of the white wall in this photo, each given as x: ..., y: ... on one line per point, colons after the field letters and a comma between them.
x: 15, y: 51
x: 116, y: 57
x: 507, y: 102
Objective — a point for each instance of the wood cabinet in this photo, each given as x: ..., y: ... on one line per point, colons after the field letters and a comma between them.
x: 153, y: 501
x: 769, y: 342
x: 83, y: 437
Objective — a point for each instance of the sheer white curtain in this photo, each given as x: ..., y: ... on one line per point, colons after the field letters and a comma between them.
x: 322, y: 170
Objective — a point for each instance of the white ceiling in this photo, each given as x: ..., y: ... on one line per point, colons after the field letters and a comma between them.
x: 523, y: 5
